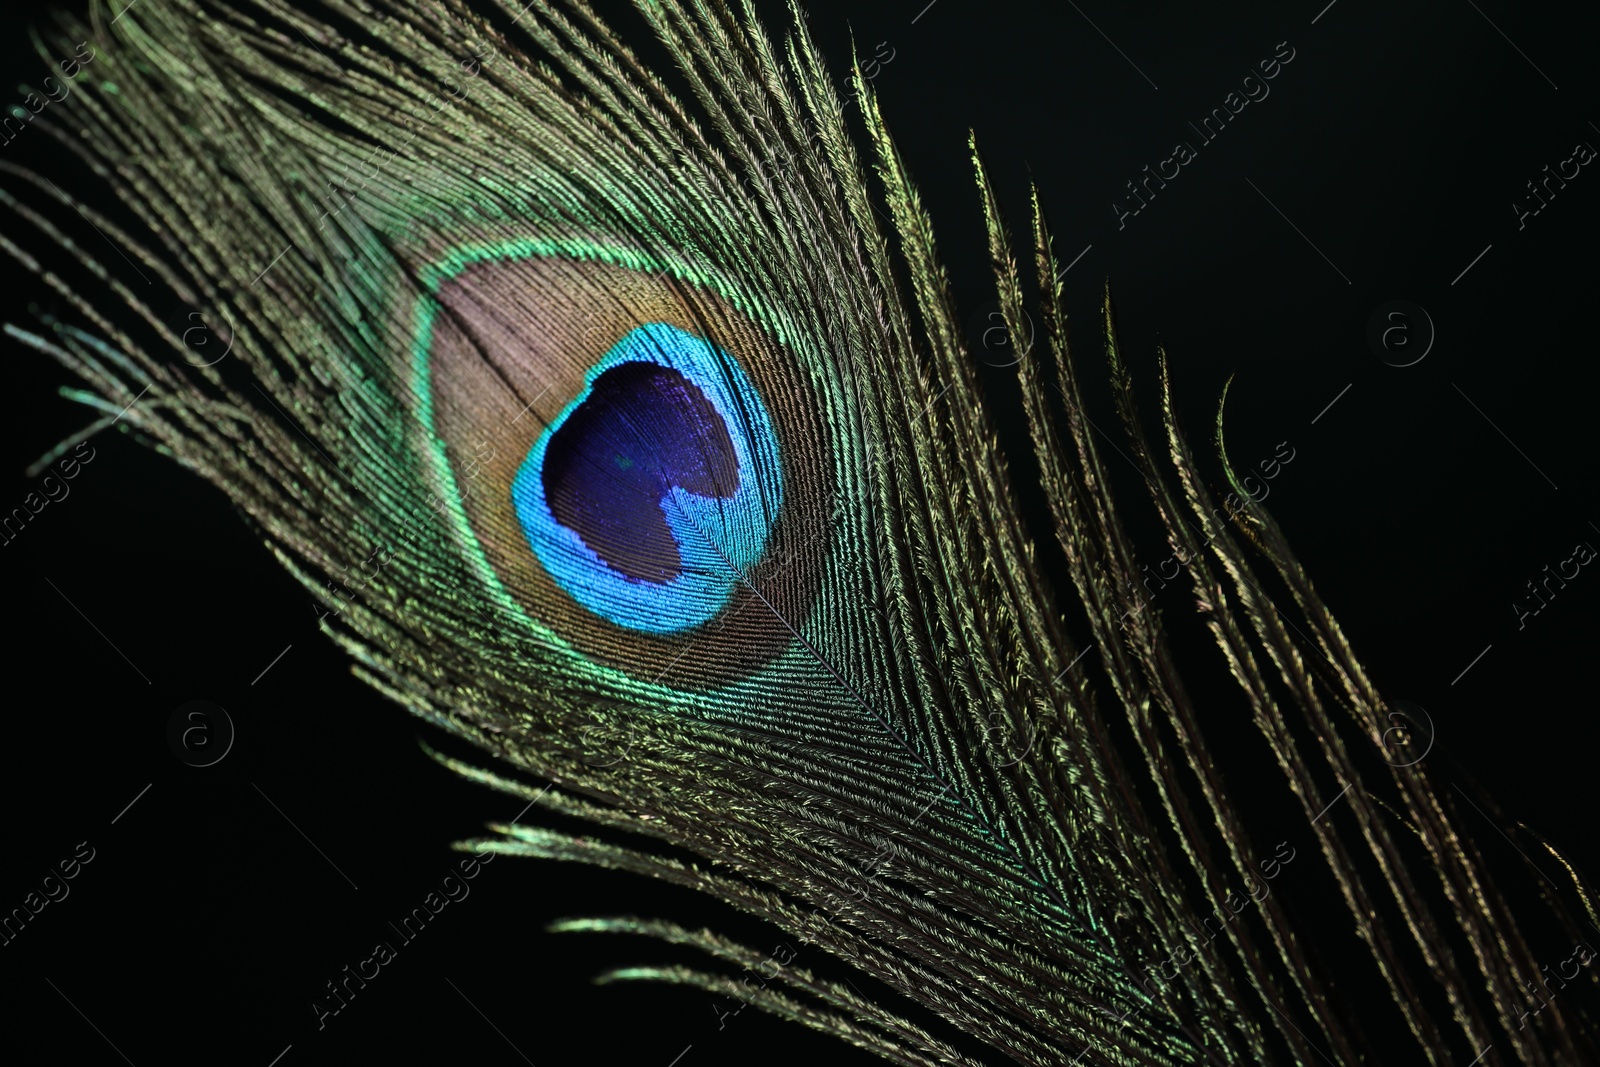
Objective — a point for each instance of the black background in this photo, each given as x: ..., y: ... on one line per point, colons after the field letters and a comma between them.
x: 1396, y: 141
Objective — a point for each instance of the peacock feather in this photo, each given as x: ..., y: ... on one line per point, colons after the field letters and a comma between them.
x: 637, y: 422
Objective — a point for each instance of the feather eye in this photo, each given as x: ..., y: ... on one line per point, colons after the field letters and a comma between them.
x: 631, y: 483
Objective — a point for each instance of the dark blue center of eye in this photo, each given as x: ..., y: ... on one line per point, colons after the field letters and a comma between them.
x: 642, y: 429
x: 652, y: 493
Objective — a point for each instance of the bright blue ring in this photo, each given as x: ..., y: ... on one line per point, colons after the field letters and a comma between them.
x: 740, y: 525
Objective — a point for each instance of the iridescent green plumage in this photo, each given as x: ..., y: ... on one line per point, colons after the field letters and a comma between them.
x: 371, y: 244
